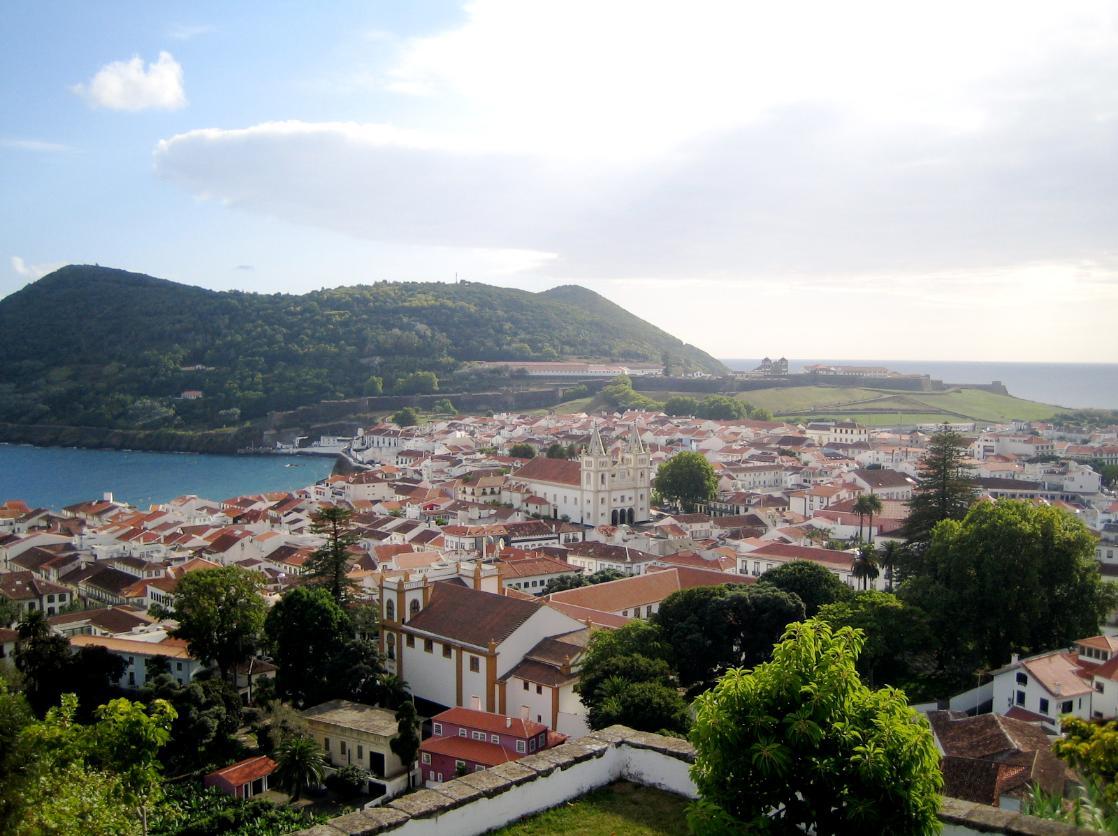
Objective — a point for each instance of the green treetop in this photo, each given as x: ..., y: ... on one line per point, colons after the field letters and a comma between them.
x: 220, y: 614
x: 687, y: 478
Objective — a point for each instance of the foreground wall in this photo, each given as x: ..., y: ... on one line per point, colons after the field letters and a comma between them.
x: 482, y: 801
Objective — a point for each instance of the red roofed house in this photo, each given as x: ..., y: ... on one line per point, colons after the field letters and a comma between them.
x: 759, y: 561
x: 243, y: 779
x: 469, y: 740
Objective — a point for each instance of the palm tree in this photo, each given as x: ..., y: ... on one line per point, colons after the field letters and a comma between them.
x: 889, y: 556
x: 865, y: 565
x: 299, y: 765
x: 860, y: 510
x: 873, y: 506
x: 394, y: 691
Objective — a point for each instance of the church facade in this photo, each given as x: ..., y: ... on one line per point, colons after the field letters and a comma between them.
x: 598, y: 488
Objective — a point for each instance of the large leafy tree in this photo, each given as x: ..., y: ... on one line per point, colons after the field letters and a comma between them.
x: 813, y: 584
x: 220, y: 614
x: 1011, y: 576
x: 801, y: 744
x: 615, y: 664
x: 687, y: 478
x: 314, y: 645
x: 208, y: 714
x: 713, y: 628
x: 945, y: 489
x: 50, y: 667
x: 897, y: 637
x: 329, y: 565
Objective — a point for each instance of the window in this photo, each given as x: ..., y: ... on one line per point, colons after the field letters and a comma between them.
x: 495, y: 739
x: 520, y: 746
x: 446, y: 651
x: 178, y: 666
x: 391, y: 646
x: 648, y: 611
x: 532, y: 745
x: 413, y: 607
x: 437, y: 729
x: 1022, y: 679
x: 390, y: 610
x: 475, y: 664
x: 50, y: 599
x: 525, y: 686
x: 1065, y: 707
x: 1020, y: 697
x: 479, y: 768
x: 426, y: 758
x: 326, y: 743
x: 539, y: 689
x: 410, y: 640
x: 461, y: 732
x: 360, y: 751
x: 428, y: 646
x: 459, y: 764
x: 1043, y: 705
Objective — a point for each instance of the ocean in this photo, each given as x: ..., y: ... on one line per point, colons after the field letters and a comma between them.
x: 1075, y: 385
x: 53, y: 477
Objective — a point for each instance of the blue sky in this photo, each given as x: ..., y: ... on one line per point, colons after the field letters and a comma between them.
x: 856, y: 180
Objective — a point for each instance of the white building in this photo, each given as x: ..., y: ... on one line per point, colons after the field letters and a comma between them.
x: 598, y: 489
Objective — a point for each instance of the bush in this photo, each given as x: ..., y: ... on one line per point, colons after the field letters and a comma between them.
x: 348, y: 782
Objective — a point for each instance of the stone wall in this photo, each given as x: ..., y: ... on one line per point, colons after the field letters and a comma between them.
x: 482, y: 801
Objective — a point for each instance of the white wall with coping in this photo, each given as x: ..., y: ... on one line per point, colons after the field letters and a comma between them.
x: 619, y: 753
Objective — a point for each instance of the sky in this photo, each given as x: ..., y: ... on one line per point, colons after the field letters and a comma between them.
x: 861, y: 179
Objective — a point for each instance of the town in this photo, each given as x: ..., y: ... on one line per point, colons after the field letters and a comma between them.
x: 482, y: 563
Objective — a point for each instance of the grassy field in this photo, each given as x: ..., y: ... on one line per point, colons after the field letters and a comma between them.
x: 889, y: 406
x: 621, y: 809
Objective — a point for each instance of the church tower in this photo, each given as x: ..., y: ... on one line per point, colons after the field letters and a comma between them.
x: 595, y: 481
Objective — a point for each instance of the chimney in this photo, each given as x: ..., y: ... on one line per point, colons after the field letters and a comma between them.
x: 1014, y: 658
x: 508, y: 722
x: 475, y: 703
x: 524, y: 713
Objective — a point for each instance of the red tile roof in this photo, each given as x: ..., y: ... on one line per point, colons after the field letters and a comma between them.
x: 555, y: 471
x: 246, y: 771
x: 463, y: 748
x: 488, y: 722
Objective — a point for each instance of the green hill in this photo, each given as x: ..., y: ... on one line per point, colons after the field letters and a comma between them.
x: 93, y: 346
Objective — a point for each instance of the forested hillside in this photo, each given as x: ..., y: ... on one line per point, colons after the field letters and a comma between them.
x: 93, y: 346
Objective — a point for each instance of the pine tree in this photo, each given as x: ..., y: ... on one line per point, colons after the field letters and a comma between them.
x: 945, y: 490
x: 329, y: 565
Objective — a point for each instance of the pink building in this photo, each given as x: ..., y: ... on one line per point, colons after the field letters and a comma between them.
x: 469, y: 740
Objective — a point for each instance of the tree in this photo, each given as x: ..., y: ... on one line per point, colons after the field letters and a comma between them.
x: 207, y: 716
x: 614, y: 664
x: 713, y: 628
x: 1092, y: 750
x: 405, y: 745
x: 126, y: 741
x: 687, y: 478
x: 864, y: 565
x: 522, y: 450
x: 314, y: 646
x: 897, y: 638
x: 328, y: 566
x: 557, y: 451
x: 220, y: 614
x: 9, y: 612
x: 889, y: 555
x: 944, y: 491
x: 1010, y: 577
x: 417, y: 383
x: 300, y: 765
x: 50, y: 668
x: 565, y: 582
x: 373, y: 386
x: 406, y: 417
x: 800, y: 744
x: 810, y: 582
x: 443, y: 406
x: 681, y: 405
x: 348, y: 782
x: 867, y: 503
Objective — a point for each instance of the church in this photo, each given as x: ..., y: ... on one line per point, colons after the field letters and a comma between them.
x: 598, y: 488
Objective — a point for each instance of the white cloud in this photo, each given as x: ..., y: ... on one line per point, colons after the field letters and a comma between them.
x: 127, y: 85
x: 887, y: 158
x: 32, y: 271
x: 35, y: 145
x: 187, y: 31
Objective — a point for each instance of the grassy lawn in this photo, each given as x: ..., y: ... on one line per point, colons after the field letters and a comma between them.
x: 621, y: 809
x: 878, y: 419
x: 987, y: 406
